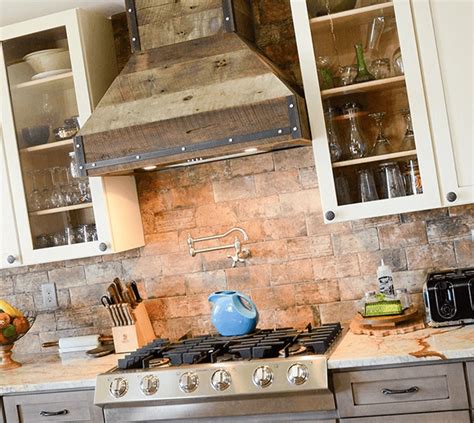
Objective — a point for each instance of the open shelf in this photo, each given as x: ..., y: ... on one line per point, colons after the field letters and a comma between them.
x: 378, y: 84
x: 372, y: 159
x: 48, y: 146
x: 61, y: 209
x: 356, y: 17
x: 63, y: 78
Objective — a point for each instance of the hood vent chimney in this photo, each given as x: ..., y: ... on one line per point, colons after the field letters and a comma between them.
x: 194, y: 89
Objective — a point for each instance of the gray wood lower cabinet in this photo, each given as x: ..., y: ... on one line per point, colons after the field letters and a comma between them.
x: 52, y: 407
x: 403, y: 390
x: 2, y: 417
x: 442, y: 417
x: 470, y: 382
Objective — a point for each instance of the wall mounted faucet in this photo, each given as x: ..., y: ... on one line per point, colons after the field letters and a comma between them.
x: 240, y: 254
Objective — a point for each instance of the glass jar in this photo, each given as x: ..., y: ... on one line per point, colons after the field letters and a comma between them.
x: 391, y: 181
x: 404, y: 297
x: 411, y: 173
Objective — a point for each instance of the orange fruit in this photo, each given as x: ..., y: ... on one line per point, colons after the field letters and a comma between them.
x: 4, y: 320
x: 21, y: 324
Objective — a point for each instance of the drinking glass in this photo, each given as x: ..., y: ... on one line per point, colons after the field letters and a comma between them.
x: 357, y: 142
x: 397, y: 62
x: 413, y: 184
x: 57, y: 198
x: 43, y: 241
x: 334, y: 145
x: 380, y: 68
x: 347, y: 75
x: 59, y: 239
x: 367, y: 189
x: 408, y: 142
x: 80, y: 234
x: 391, y: 181
x: 45, y: 192
x: 373, y: 40
x: 382, y: 144
x: 69, y: 235
x: 34, y: 198
x: 343, y: 191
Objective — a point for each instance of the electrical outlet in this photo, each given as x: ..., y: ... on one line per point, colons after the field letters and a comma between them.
x: 50, y: 300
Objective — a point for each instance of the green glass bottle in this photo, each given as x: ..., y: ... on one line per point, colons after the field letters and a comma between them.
x: 363, y: 74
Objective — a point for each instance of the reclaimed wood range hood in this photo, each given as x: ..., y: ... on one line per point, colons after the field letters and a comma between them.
x: 194, y: 89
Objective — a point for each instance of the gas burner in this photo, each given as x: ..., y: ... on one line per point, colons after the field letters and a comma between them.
x: 262, y: 344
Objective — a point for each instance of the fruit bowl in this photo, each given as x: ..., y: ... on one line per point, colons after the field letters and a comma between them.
x: 14, y: 324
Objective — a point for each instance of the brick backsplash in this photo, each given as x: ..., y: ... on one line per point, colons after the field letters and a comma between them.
x: 301, y: 270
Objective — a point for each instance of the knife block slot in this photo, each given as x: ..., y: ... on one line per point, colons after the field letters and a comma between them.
x: 129, y: 338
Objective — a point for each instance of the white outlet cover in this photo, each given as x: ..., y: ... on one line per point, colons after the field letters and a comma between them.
x: 50, y: 300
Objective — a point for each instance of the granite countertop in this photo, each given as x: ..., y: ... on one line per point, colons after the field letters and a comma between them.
x: 42, y: 372
x: 423, y: 345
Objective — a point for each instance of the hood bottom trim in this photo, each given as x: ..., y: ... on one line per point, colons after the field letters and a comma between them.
x: 294, y: 131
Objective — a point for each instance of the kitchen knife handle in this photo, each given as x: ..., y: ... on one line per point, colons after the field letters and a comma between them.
x: 412, y: 390
x: 50, y: 344
x: 54, y: 413
x: 134, y: 288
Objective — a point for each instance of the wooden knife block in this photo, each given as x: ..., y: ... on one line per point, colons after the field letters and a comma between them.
x: 129, y: 338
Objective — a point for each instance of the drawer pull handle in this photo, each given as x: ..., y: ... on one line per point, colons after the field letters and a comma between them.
x: 387, y: 391
x: 54, y: 413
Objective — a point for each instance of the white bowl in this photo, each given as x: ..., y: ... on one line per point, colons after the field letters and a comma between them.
x: 48, y: 60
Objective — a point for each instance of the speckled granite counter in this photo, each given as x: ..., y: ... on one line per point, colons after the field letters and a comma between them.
x: 422, y: 345
x: 42, y: 372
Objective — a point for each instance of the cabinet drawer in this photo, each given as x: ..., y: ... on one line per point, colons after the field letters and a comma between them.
x: 401, y: 390
x: 444, y: 417
x: 74, y: 406
x: 470, y: 381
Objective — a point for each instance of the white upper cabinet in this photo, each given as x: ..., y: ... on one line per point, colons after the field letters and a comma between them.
x: 9, y: 246
x: 53, y: 71
x: 447, y: 58
x: 367, y: 109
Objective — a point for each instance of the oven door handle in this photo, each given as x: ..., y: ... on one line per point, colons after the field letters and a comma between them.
x: 54, y: 413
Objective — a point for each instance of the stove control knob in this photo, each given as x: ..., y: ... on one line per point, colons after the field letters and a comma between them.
x: 220, y: 380
x: 298, y: 374
x: 149, y: 385
x: 118, y: 387
x: 263, y: 376
x: 188, y: 382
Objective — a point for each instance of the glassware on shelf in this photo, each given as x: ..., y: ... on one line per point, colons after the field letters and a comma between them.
x: 381, y: 68
x: 357, y: 142
x: 408, y: 142
x: 334, y: 145
x: 363, y: 74
x: 49, y: 114
x: 347, y: 75
x: 371, y: 52
x: 391, y: 181
x: 46, y: 183
x: 382, y: 144
x: 325, y: 72
x: 58, y: 239
x: 82, y: 183
x: 404, y: 297
x: 343, y: 192
x: 411, y: 173
x: 397, y: 63
x: 43, y: 241
x: 57, y: 198
x: 367, y: 189
x: 34, y: 199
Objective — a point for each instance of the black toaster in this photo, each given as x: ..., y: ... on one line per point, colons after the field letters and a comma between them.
x: 449, y: 297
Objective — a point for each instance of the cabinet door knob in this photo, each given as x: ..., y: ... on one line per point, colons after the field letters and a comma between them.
x: 451, y: 197
x: 11, y: 259
x: 102, y: 246
x: 330, y: 215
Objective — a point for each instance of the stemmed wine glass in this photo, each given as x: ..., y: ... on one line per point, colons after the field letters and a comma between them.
x: 382, y: 144
x: 34, y: 199
x: 45, y: 176
x: 408, y: 142
x: 57, y: 199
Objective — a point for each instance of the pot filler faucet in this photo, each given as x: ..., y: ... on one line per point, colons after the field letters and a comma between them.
x: 240, y: 254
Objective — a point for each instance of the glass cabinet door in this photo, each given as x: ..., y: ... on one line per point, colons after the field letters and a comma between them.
x: 45, y: 119
x: 369, y: 124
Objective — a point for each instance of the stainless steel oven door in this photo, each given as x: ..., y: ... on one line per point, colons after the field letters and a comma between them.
x: 305, y: 406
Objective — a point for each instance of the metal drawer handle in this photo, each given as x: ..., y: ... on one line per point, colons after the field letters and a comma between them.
x: 54, y: 413
x: 387, y: 391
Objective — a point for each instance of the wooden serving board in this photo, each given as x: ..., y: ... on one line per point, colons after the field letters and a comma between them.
x: 410, y: 321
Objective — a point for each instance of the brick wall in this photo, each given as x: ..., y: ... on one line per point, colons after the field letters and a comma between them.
x: 301, y: 270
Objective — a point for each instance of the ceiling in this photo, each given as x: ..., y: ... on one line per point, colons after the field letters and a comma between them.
x: 13, y: 11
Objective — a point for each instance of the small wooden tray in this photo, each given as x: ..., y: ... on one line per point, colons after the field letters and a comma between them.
x: 410, y: 321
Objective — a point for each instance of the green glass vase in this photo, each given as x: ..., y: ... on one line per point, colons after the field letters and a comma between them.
x: 363, y: 74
